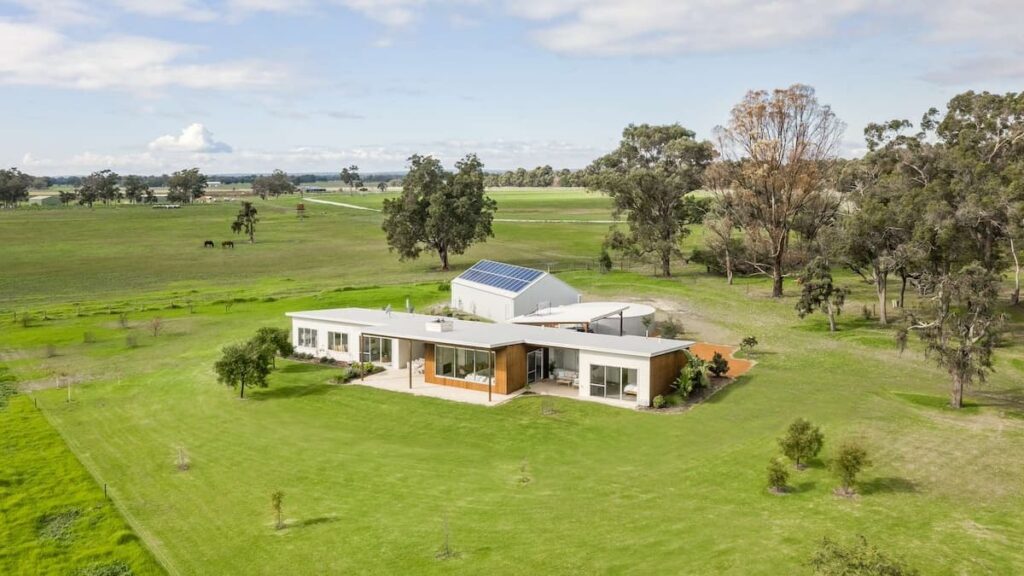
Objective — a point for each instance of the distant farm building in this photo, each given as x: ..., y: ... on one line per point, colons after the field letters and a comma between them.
x: 500, y: 292
x: 44, y: 200
x: 313, y: 189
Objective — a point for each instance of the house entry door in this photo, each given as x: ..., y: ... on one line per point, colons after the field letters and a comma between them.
x: 534, y: 365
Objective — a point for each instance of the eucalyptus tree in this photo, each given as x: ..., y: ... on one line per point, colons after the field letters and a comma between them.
x: 101, y: 186
x: 245, y: 221
x: 984, y: 136
x: 440, y: 211
x: 779, y: 147
x: 185, y: 186
x: 135, y: 188
x: 14, y: 186
x: 963, y: 327
x: 648, y: 177
x: 274, y: 184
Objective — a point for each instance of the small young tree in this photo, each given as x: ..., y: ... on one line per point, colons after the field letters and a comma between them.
x: 155, y: 325
x: 818, y: 292
x: 604, y: 261
x: 276, y: 502
x: 245, y: 221
x: 961, y: 339
x: 718, y: 365
x: 243, y: 365
x: 276, y: 341
x: 849, y: 460
x: 778, y: 476
x: 802, y: 442
x: 857, y: 559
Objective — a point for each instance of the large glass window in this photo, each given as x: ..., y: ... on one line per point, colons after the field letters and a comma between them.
x: 307, y: 337
x: 464, y: 363
x: 376, y: 349
x: 613, y: 382
x: 566, y: 359
x: 337, y: 341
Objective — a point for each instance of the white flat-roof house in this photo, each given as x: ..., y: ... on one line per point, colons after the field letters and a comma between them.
x: 499, y: 358
x: 500, y: 292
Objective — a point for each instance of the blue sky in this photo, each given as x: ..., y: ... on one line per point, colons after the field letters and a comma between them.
x: 150, y: 86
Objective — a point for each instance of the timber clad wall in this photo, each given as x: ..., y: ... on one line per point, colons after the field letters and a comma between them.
x: 664, y: 370
x: 509, y: 371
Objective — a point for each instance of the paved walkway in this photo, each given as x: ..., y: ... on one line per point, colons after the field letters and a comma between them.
x: 341, y: 204
x: 737, y: 366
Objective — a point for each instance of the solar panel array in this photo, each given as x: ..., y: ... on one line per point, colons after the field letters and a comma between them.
x: 503, y: 276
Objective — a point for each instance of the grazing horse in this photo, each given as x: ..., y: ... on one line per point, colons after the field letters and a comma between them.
x: 208, y: 244
x: 227, y: 244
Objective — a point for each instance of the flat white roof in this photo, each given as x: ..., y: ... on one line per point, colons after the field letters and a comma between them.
x: 581, y: 313
x: 487, y: 335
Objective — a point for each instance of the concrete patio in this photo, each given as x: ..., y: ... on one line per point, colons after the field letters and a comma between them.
x: 398, y: 381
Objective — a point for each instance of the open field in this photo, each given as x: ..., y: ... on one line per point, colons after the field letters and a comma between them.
x: 370, y: 477
x: 63, y: 255
x: 55, y: 518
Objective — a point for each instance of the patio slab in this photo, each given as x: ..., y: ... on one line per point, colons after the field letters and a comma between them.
x: 398, y: 381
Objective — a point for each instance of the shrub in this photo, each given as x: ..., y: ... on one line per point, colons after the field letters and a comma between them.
x: 26, y: 320
x: 692, y: 377
x: 866, y: 312
x: 58, y: 526
x: 802, y: 442
x: 88, y: 337
x: 276, y: 502
x: 660, y: 402
x: 326, y: 360
x: 115, y: 568
x: 444, y: 286
x: 719, y: 365
x: 857, y: 559
x: 669, y: 329
x: 122, y: 319
x: 778, y: 476
x: 748, y: 343
x: 848, y: 462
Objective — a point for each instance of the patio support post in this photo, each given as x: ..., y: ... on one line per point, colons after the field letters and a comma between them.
x: 408, y: 362
x: 490, y: 374
x: 620, y: 322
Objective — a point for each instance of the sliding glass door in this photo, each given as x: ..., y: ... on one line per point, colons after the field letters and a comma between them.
x: 376, y: 349
x: 534, y: 365
x: 613, y: 382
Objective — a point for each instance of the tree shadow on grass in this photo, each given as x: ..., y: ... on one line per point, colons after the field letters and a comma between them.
x: 724, y: 393
x: 887, y: 485
x: 802, y: 487
x: 313, y: 521
x: 286, y: 392
x: 301, y: 368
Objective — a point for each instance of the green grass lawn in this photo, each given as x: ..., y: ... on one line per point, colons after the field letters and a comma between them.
x: 371, y: 477
x: 65, y: 255
x: 55, y: 518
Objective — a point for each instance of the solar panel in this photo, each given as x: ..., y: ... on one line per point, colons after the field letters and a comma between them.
x: 500, y: 275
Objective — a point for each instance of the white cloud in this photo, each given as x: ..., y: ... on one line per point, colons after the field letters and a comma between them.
x: 33, y: 54
x: 618, y: 27
x: 181, y: 9
x: 194, y: 138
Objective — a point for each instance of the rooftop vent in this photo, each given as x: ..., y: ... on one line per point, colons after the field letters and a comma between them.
x: 440, y: 325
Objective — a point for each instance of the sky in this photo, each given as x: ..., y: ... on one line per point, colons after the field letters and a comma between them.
x: 243, y: 86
